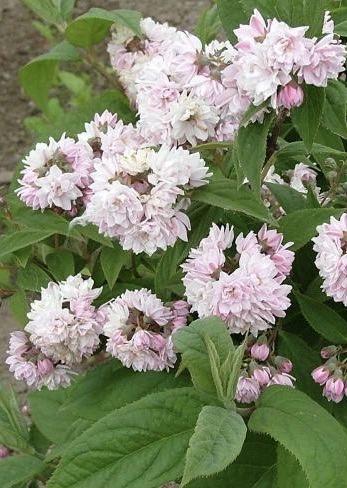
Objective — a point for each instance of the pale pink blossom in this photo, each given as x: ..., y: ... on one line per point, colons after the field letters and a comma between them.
x: 290, y: 96
x: 247, y: 390
x: 260, y: 351
x: 321, y: 375
x: 334, y: 389
x: 282, y: 379
x: 262, y: 375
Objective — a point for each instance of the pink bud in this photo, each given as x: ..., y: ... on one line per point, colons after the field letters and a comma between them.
x: 320, y: 375
x: 45, y: 366
x: 262, y: 376
x: 247, y: 390
x: 260, y: 351
x: 284, y: 365
x: 4, y: 451
x: 282, y: 379
x: 290, y: 96
x: 328, y: 352
x: 334, y: 389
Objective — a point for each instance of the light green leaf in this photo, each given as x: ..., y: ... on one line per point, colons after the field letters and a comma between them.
x: 224, y: 193
x: 19, y: 306
x: 323, y: 319
x: 307, y: 430
x: 251, y: 149
x: 37, y: 76
x: 141, y: 445
x: 91, y: 232
x: 300, y: 226
x: 208, y: 25
x: 93, y: 26
x: 33, y: 278
x: 20, y: 239
x: 231, y: 14
x: 47, y: 10
x: 190, y: 342
x: 307, y: 118
x: 217, y: 440
x: 13, y: 429
x: 112, y: 261
x: 61, y: 264
x: 65, y: 7
x: 19, y: 469
x: 334, y: 115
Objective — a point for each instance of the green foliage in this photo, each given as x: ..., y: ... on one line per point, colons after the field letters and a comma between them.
x: 19, y: 469
x: 208, y: 25
x: 20, y: 239
x: 13, y: 430
x: 307, y: 430
x: 93, y: 26
x: 51, y: 11
x: 112, y: 261
x: 334, y: 115
x: 61, y: 264
x: 217, y: 440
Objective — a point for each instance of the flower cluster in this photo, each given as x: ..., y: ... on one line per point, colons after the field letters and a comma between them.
x: 331, y: 261
x: 138, y: 194
x: 332, y: 374
x: 262, y: 368
x: 63, y: 328
x: 244, y: 286
x: 139, y: 328
x: 185, y: 92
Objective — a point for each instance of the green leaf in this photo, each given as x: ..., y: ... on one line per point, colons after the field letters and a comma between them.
x: 251, y: 149
x: 303, y: 12
x: 20, y: 239
x: 48, y: 10
x: 141, y: 445
x: 61, y: 264
x: 22, y: 255
x: 307, y: 118
x: 304, y: 360
x: 255, y: 464
x: 208, y: 25
x: 93, y: 26
x: 37, y: 76
x: 231, y: 14
x: 323, y: 319
x: 13, y: 429
x: 112, y: 261
x: 190, y: 342
x: 19, y: 306
x: 91, y: 232
x: 65, y: 7
x: 33, y: 278
x: 289, y: 472
x: 300, y: 226
x: 217, y: 440
x: 223, y: 193
x: 334, y: 115
x: 288, y: 198
x: 307, y: 430
x: 19, y: 469
x: 49, y: 221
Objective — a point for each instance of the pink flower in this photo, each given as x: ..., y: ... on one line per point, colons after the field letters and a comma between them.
x: 334, y: 389
x: 260, y: 351
x: 290, y: 96
x: 4, y: 451
x: 284, y: 365
x: 321, y: 375
x: 262, y: 375
x: 247, y: 390
x: 282, y: 379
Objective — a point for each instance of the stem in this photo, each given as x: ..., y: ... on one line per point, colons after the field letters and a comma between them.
x: 133, y: 266
x: 91, y: 60
x: 272, y: 144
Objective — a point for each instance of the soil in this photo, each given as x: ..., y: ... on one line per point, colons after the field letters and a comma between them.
x: 19, y: 43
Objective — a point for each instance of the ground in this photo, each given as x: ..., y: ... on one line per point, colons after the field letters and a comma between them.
x: 20, y: 42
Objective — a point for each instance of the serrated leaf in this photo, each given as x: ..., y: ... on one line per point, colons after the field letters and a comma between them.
x: 112, y: 261
x: 307, y: 117
x: 323, y: 319
x: 289, y: 472
x: 190, y: 342
x: 217, y: 440
x: 224, y: 193
x: 20, y: 239
x: 33, y: 278
x: 300, y: 226
x: 141, y: 445
x: 13, y: 429
x: 61, y: 264
x: 37, y: 76
x: 289, y: 199
x: 251, y: 149
x: 334, y: 115
x: 93, y: 26
x: 307, y: 430
x: 19, y: 469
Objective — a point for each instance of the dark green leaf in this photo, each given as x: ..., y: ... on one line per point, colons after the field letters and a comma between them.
x: 33, y: 278
x: 289, y: 472
x: 13, y: 429
x: 217, y: 440
x: 112, y: 261
x: 307, y: 430
x: 208, y: 25
x: 288, y: 198
x: 23, y: 238
x: 93, y: 26
x: 19, y: 307
x: 61, y: 264
x: 323, y: 319
x: 91, y: 232
x: 19, y: 469
x: 307, y: 118
x: 334, y: 115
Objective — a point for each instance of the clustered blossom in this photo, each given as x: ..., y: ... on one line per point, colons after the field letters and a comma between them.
x: 63, y: 329
x: 244, y: 287
x: 332, y: 374
x: 139, y: 328
x: 187, y: 92
x: 138, y: 194
x: 262, y: 368
x: 331, y: 261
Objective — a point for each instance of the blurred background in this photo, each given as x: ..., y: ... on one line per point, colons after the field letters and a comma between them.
x: 20, y: 42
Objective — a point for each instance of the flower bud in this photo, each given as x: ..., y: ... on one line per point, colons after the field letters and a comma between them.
x: 328, y: 352
x: 320, y: 374
x: 282, y: 379
x: 262, y: 376
x: 290, y: 96
x: 260, y: 351
x: 4, y: 451
x: 334, y: 389
x: 247, y: 390
x: 45, y: 366
x: 284, y: 365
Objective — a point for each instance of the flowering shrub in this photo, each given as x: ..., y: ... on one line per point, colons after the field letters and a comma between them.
x: 176, y: 253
